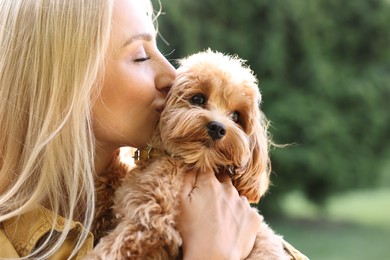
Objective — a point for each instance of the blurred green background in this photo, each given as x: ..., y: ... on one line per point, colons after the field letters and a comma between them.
x: 324, y: 72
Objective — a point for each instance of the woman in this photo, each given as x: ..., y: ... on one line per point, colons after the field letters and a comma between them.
x: 78, y: 80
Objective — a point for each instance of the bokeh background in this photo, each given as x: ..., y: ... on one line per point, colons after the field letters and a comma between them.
x: 324, y: 72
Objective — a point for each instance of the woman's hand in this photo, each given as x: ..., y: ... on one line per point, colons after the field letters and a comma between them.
x: 215, y: 222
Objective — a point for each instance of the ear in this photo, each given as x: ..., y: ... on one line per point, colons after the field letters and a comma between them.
x: 254, y: 181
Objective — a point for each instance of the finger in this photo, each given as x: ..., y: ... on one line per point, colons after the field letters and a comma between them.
x: 245, y: 202
x: 244, y: 199
x: 205, y: 177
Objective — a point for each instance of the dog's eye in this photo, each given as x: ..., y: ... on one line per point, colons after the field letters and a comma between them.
x: 236, y: 116
x: 198, y: 99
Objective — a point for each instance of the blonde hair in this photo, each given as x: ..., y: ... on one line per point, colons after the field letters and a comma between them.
x: 51, y: 55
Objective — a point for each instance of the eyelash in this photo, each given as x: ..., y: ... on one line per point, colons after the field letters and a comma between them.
x: 142, y: 59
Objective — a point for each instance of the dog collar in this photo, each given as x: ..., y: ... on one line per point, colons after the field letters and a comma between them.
x: 141, y: 155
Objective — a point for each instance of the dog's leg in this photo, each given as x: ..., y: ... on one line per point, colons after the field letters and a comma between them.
x: 147, y: 208
x: 127, y: 241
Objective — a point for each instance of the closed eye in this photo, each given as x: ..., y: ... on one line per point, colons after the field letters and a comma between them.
x: 142, y: 59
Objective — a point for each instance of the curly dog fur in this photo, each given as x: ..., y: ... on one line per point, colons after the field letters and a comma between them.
x: 211, y: 121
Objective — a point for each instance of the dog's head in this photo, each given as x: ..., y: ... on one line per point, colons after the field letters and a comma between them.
x: 212, y: 120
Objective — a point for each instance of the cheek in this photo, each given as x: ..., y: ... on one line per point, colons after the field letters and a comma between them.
x: 123, y: 113
x: 129, y: 86
x: 116, y: 100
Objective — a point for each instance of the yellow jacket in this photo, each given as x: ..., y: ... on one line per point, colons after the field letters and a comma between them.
x: 18, y: 237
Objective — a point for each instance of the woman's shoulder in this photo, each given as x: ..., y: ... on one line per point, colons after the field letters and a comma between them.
x: 25, y: 231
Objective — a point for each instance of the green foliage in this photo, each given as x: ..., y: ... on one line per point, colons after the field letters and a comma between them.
x: 324, y: 240
x: 353, y: 225
x: 323, y: 67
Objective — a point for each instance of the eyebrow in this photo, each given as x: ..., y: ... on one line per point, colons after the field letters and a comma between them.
x: 141, y: 36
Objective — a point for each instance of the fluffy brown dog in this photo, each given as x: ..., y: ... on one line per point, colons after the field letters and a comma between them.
x: 211, y: 121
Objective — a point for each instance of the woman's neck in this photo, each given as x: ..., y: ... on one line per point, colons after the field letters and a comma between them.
x: 103, y: 157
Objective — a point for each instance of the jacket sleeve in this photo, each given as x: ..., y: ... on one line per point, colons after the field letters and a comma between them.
x: 22, y: 234
x: 7, y: 250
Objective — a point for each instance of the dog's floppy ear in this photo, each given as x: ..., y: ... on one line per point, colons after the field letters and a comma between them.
x: 254, y: 181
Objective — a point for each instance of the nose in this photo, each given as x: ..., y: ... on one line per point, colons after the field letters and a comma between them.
x: 216, y: 130
x: 165, y: 74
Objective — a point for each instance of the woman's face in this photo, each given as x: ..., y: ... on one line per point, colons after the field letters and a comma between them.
x: 136, y: 81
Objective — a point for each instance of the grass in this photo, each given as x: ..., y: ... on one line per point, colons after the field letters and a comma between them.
x: 354, y: 225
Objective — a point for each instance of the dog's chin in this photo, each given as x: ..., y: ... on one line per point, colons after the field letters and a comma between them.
x: 205, y: 154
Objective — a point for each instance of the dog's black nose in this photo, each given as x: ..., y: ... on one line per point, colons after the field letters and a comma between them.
x: 216, y: 130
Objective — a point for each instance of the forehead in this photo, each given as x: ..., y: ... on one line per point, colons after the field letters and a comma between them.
x: 222, y: 92
x: 228, y: 90
x: 222, y: 76
x: 131, y: 17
